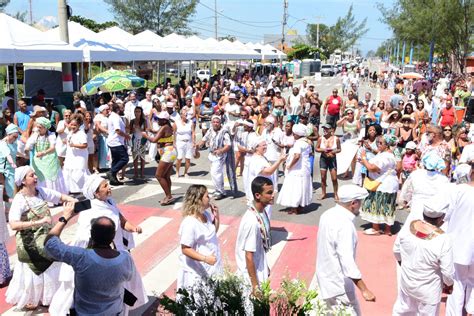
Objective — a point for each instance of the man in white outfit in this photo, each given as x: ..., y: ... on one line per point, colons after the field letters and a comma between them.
x: 336, y: 269
x: 460, y: 218
x: 425, y: 255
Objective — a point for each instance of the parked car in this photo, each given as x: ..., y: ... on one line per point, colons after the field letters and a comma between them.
x: 203, y: 74
x: 336, y: 70
x: 172, y: 72
x: 327, y: 70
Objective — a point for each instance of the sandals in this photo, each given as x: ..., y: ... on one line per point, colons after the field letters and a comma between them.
x: 166, y: 202
x: 371, y: 232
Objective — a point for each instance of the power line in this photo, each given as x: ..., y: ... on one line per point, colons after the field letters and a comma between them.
x: 240, y: 36
x: 239, y: 21
x: 224, y: 28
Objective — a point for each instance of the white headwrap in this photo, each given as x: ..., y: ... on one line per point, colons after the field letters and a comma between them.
x: 257, y: 141
x: 270, y: 119
x: 435, y: 208
x: 300, y: 130
x: 247, y: 123
x: 103, y: 107
x: 351, y: 192
x: 216, y: 117
x: 462, y: 173
x: 91, y: 185
x: 20, y: 174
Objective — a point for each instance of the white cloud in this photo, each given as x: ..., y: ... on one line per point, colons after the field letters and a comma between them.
x: 48, y: 21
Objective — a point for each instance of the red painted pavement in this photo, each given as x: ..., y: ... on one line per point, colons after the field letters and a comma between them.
x: 374, y: 255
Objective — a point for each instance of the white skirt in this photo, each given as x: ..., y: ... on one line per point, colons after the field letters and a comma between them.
x: 75, y: 179
x: 28, y: 288
x: 297, y: 190
x: 58, y: 185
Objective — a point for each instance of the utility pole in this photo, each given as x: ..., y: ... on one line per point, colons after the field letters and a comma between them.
x: 31, y: 12
x: 215, y: 19
x: 318, y: 18
x: 64, y: 36
x: 283, y: 24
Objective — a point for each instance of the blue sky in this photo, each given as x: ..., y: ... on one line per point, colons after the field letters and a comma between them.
x: 257, y: 17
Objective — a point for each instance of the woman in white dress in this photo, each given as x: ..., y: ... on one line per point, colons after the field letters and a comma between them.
x: 28, y: 288
x: 45, y: 161
x: 273, y: 136
x: 62, y: 131
x: 259, y: 165
x: 185, y: 138
x: 98, y: 191
x: 90, y: 132
x: 201, y: 256
x: 297, y: 188
x: 75, y: 164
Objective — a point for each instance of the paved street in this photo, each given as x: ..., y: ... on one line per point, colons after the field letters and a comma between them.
x: 294, y: 236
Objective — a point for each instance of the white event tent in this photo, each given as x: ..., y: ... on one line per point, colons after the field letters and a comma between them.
x: 21, y: 43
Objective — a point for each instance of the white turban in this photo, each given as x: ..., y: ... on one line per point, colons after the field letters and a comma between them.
x: 216, y: 117
x: 435, y: 208
x: 300, y: 130
x: 20, y: 174
x: 257, y: 141
x: 462, y: 173
x: 91, y: 185
x: 247, y: 123
x: 270, y: 119
x: 103, y: 107
x: 351, y: 192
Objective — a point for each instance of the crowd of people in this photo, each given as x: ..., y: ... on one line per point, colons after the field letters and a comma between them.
x: 399, y: 152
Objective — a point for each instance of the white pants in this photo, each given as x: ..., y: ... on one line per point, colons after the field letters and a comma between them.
x: 184, y: 149
x: 217, y: 173
x: 408, y: 306
x: 462, y: 291
x: 347, y: 299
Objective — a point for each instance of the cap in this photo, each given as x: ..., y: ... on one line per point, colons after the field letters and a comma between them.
x: 351, y: 192
x: 232, y: 96
x: 206, y: 99
x: 410, y: 145
x: 276, y: 90
x: 170, y: 104
x: 326, y: 125
x: 163, y: 115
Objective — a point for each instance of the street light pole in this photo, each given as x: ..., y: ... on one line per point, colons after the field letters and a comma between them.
x: 64, y: 36
x: 283, y: 24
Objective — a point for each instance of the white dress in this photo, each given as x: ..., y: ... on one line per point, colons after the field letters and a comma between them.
x: 26, y: 287
x: 63, y: 298
x: 202, y: 238
x: 297, y: 188
x: 60, y: 145
x: 75, y: 163
x: 256, y: 165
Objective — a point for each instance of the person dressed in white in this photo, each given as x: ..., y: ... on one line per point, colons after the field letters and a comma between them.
x: 424, y: 253
x: 101, y: 127
x: 459, y: 219
x: 98, y: 191
x: 245, y: 147
x: 259, y: 165
x: 185, y: 138
x: 33, y: 283
x: 297, y: 188
x: 221, y: 156
x: 254, y: 236
x: 129, y: 110
x: 146, y: 104
x: 75, y: 164
x: 336, y: 269
x: 273, y: 136
x: 200, y: 256
x: 63, y: 130
x: 232, y: 111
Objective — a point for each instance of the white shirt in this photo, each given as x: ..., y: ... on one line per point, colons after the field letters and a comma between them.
x: 22, y: 203
x: 114, y: 123
x: 426, y: 265
x: 231, y: 108
x: 387, y: 175
x: 467, y: 154
x: 146, y: 106
x: 459, y: 219
x: 337, y: 242
x: 249, y: 239
x: 129, y: 110
x: 273, y: 138
x: 202, y: 238
x: 76, y: 158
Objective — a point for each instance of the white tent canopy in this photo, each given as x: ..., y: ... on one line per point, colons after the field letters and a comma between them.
x: 21, y: 43
x: 94, y: 47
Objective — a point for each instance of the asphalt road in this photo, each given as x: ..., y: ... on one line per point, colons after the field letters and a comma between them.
x: 149, y: 193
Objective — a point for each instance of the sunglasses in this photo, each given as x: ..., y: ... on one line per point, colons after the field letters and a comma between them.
x: 448, y: 130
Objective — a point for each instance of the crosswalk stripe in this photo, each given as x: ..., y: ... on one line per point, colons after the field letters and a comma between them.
x: 164, y: 274
x: 150, y: 226
x: 279, y: 239
x: 146, y: 192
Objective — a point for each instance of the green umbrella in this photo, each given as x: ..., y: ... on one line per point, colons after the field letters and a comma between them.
x: 111, y: 81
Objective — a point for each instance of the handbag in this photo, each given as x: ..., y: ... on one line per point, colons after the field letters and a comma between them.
x: 371, y: 185
x: 30, y: 242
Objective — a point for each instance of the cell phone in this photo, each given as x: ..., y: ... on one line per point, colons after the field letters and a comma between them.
x: 82, y: 206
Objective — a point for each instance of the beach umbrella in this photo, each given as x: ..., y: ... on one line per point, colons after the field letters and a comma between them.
x: 411, y: 75
x: 112, y: 81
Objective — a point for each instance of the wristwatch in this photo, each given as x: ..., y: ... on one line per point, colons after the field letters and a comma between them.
x: 62, y: 219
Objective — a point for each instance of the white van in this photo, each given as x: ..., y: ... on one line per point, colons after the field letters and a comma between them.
x: 203, y: 74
